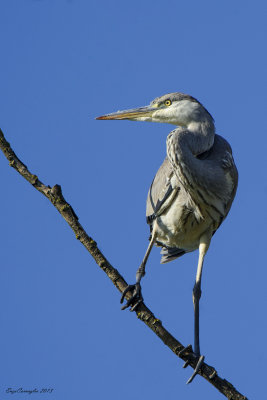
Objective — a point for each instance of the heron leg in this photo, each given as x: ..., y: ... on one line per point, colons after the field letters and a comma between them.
x: 203, y: 248
x: 137, y: 297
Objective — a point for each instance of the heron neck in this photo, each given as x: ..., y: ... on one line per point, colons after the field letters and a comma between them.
x: 183, y: 145
x: 202, y: 135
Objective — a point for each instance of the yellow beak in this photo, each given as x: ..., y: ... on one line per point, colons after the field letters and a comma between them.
x: 133, y: 114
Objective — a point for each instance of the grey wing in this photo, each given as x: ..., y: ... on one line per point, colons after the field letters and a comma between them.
x: 162, y: 191
x: 224, y: 153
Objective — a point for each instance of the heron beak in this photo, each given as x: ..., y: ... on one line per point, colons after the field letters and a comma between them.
x: 135, y: 114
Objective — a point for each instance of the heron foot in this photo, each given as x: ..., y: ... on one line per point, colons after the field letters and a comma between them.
x: 197, y: 369
x: 191, y: 355
x: 135, y: 299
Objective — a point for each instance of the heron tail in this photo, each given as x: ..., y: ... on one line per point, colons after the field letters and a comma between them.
x: 170, y: 253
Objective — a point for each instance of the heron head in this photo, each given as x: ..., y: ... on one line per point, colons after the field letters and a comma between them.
x: 173, y: 108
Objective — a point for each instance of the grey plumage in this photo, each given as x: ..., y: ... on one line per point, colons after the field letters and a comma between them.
x: 191, y: 193
x: 213, y: 197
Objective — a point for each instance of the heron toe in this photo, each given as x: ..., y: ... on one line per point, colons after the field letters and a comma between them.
x: 197, y: 369
x: 135, y: 299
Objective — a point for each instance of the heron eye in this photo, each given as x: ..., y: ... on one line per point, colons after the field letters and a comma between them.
x: 168, y: 102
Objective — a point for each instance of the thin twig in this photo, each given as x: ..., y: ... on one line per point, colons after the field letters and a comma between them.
x: 54, y: 194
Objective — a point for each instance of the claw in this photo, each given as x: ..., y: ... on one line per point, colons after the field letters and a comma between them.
x: 196, y: 370
x: 128, y: 289
x: 185, y: 349
x: 136, y: 298
x: 133, y: 308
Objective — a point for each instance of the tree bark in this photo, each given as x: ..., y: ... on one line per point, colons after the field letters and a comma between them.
x: 55, y: 196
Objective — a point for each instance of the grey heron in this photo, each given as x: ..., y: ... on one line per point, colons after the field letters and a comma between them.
x: 191, y: 193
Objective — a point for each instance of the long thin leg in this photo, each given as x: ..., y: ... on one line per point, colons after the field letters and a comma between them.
x: 203, y: 248
x: 142, y: 269
x: 137, y: 297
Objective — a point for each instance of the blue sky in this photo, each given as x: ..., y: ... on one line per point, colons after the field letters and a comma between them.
x: 62, y: 64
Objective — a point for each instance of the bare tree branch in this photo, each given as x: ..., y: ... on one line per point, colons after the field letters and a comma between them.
x: 55, y: 196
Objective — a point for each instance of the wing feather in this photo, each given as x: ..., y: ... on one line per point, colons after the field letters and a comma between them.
x: 162, y: 191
